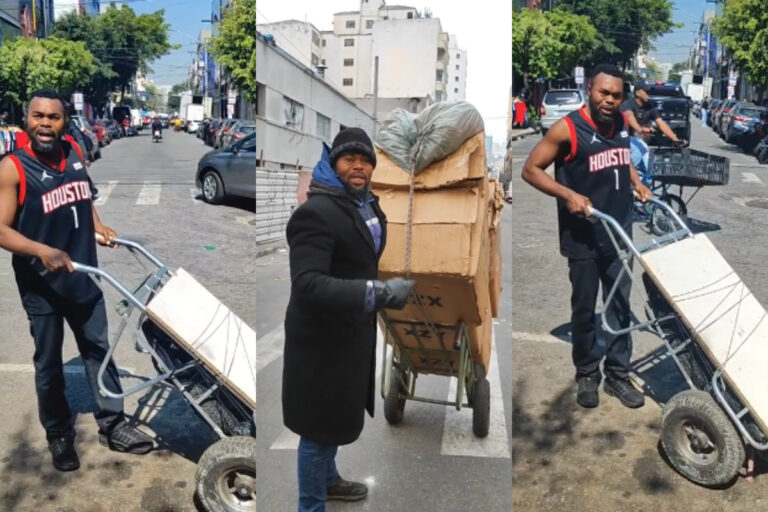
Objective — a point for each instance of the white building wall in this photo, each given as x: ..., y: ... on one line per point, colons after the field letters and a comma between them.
x: 457, y: 77
x: 407, y: 51
x: 301, y: 40
x: 283, y: 146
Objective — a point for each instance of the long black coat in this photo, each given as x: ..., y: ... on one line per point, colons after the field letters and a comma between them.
x: 330, y: 340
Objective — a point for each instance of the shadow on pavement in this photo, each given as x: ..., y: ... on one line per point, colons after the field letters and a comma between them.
x: 241, y: 203
x: 702, y: 226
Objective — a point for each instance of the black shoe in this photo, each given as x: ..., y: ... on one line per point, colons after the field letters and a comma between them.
x: 586, y: 395
x: 625, y: 392
x: 343, y: 490
x: 63, y: 452
x: 125, y: 438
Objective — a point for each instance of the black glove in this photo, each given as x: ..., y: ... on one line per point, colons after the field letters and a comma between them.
x: 391, y: 294
x: 681, y: 143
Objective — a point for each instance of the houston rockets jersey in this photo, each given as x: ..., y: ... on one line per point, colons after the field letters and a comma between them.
x: 598, y: 168
x: 55, y: 208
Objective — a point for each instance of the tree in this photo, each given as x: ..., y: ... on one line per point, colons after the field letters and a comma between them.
x: 154, y: 98
x: 122, y: 42
x: 174, y: 96
x: 743, y: 30
x: 27, y: 65
x: 235, y: 45
x: 675, y: 74
x: 624, y: 28
x: 549, y: 44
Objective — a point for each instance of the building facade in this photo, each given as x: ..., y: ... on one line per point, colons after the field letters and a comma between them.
x: 457, y: 71
x: 62, y: 7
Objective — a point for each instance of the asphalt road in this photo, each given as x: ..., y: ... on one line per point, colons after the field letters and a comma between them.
x: 607, y: 459
x: 430, y: 462
x: 147, y: 194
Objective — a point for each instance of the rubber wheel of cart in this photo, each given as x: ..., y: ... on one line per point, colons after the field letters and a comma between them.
x: 700, y: 441
x: 481, y: 407
x: 226, y: 476
x: 661, y: 224
x: 394, y: 402
x: 213, y: 188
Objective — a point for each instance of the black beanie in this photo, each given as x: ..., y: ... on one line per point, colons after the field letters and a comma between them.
x: 352, y: 141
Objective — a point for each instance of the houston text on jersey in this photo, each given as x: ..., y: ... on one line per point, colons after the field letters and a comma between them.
x: 609, y: 158
x: 65, y: 194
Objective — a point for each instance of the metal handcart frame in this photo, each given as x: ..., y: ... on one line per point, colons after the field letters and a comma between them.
x: 712, y: 452
x: 399, y: 374
x: 226, y: 474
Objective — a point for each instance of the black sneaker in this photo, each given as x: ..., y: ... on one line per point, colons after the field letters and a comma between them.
x: 343, y: 490
x: 586, y: 395
x: 63, y: 452
x: 625, y: 392
x: 127, y: 439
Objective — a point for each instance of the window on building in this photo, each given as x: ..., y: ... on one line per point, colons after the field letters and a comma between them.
x: 369, y: 24
x: 315, y: 59
x: 455, y: 79
x: 439, y: 96
x: 323, y: 128
x: 456, y: 90
x: 458, y: 55
x: 349, y: 62
x: 322, y: 61
x: 349, y: 42
x: 457, y: 66
x: 346, y: 81
x: 323, y: 45
x: 315, y: 38
x: 293, y: 113
x: 350, y: 23
x: 439, y: 75
x: 410, y: 15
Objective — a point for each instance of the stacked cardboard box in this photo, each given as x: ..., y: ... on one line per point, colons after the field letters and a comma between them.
x: 455, y: 210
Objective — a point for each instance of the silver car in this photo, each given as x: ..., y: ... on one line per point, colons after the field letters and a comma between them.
x: 558, y: 103
x: 229, y: 171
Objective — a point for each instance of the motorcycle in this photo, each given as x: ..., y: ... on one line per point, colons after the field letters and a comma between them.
x: 156, y: 136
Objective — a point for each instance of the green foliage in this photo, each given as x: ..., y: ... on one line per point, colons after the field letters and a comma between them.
x: 28, y: 64
x: 235, y: 45
x: 743, y: 29
x: 549, y: 44
x: 174, y: 96
x: 122, y: 42
x: 623, y: 27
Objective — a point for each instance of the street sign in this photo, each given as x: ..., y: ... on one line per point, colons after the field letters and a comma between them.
x: 731, y: 91
x: 77, y: 99
x: 230, y: 110
x: 578, y: 74
x: 232, y: 99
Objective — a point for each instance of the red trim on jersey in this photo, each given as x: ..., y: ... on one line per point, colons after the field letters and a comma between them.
x: 22, y: 178
x: 583, y: 112
x: 62, y: 161
x: 574, y: 139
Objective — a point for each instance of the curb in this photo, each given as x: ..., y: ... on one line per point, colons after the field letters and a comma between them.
x: 268, y: 249
x: 525, y: 133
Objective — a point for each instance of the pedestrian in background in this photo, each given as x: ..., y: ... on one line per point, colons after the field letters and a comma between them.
x: 336, y: 239
x: 704, y: 111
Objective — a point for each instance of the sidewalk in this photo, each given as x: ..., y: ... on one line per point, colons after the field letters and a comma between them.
x: 519, y: 133
x: 266, y: 248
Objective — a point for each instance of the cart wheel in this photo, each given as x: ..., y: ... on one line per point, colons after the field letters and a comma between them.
x: 481, y: 407
x: 661, y: 224
x: 226, y: 476
x: 701, y: 442
x: 394, y: 403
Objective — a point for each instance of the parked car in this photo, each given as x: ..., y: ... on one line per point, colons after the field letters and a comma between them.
x: 674, y: 107
x: 725, y: 108
x: 713, y: 106
x: 85, y: 127
x: 229, y: 171
x: 101, y: 134
x: 223, y: 129
x: 239, y: 130
x: 557, y: 103
x: 192, y: 126
x: 740, y: 120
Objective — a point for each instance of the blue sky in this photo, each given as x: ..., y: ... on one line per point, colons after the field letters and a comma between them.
x: 184, y: 17
x: 674, y: 46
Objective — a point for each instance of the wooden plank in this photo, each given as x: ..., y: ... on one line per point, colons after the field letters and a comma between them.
x: 209, y: 331
x: 728, y: 322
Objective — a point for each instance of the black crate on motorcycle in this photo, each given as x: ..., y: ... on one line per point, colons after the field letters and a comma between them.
x: 688, y: 167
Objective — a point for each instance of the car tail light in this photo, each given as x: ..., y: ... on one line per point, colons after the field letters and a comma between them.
x: 726, y: 110
x: 740, y: 119
x: 543, y: 110
x: 237, y: 136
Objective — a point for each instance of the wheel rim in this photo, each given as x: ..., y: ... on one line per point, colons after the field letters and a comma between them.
x: 237, y: 488
x: 696, y: 442
x: 209, y: 187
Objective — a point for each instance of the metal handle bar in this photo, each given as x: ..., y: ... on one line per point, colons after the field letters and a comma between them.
x: 125, y: 292
x: 130, y: 244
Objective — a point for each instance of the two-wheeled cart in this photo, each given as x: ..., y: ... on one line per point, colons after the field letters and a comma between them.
x: 716, y: 332
x: 208, y: 354
x: 682, y: 168
x: 420, y: 348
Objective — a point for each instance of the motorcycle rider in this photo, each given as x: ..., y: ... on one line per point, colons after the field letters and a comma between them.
x: 157, y: 127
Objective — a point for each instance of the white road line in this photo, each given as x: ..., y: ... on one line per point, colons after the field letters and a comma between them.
x: 104, y: 191
x: 76, y: 369
x: 149, y: 194
x: 193, y: 192
x: 287, y: 440
x: 530, y: 336
x: 458, y: 439
x: 269, y: 347
x: 750, y: 177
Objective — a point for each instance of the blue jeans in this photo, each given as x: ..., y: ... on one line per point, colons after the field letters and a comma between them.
x: 317, y: 470
x: 704, y: 114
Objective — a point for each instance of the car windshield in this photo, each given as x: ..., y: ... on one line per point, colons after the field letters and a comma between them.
x: 667, y: 90
x: 750, y: 112
x: 246, y: 128
x: 562, y: 98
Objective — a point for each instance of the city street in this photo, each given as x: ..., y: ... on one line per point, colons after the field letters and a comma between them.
x: 607, y: 459
x: 147, y: 193
x: 430, y: 462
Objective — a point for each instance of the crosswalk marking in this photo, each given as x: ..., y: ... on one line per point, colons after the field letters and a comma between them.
x: 104, y: 191
x: 458, y: 439
x: 193, y: 192
x: 750, y: 177
x: 149, y: 194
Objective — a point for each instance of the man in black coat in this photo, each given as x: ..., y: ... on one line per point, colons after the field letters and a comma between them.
x: 336, y: 239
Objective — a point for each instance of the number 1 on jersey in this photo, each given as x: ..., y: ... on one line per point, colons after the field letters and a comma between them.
x: 74, y: 212
x: 616, y: 172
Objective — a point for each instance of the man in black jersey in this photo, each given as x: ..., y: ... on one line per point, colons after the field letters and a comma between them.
x: 590, y: 150
x: 47, y: 220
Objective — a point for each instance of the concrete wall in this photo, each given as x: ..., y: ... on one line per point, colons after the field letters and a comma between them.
x: 296, y: 38
x: 281, y: 77
x: 457, y: 78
